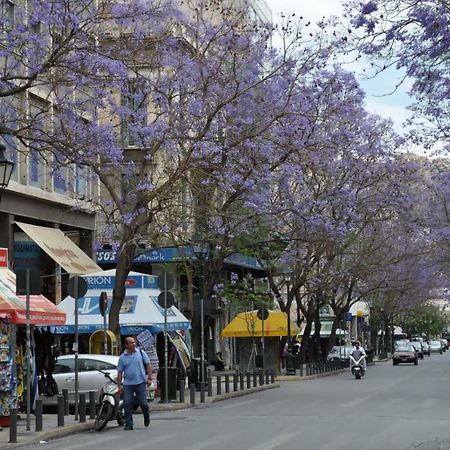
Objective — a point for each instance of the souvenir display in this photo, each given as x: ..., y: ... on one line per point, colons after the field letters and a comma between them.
x: 8, y: 398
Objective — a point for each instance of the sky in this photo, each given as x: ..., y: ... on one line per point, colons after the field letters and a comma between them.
x: 379, y: 98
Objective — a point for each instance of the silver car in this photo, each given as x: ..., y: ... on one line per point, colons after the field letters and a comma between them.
x: 89, y: 377
x: 340, y: 353
x: 436, y: 346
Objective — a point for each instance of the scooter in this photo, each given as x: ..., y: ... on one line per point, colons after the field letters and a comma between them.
x: 357, y: 366
x: 110, y: 404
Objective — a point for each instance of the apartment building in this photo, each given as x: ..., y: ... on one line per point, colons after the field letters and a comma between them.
x: 38, y: 194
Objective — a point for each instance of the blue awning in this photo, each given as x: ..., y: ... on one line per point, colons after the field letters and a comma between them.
x: 176, y: 254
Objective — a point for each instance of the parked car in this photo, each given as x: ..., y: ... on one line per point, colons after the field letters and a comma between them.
x: 405, y: 353
x: 435, y: 346
x: 402, y: 342
x: 340, y: 353
x: 89, y: 377
x: 419, y: 349
x: 426, y: 348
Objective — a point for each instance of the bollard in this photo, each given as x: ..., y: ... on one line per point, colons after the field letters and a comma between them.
x: 227, y: 384
x: 261, y: 377
x: 267, y: 377
x: 181, y: 388
x: 301, y: 370
x: 91, y: 404
x: 82, y: 408
x: 248, y: 380
x: 60, y: 411
x: 272, y: 376
x: 38, y: 415
x: 241, y: 381
x: 255, y: 379
x: 65, y: 394
x: 202, y: 392
x: 235, y: 382
x: 210, y: 389
x: 192, y: 391
x: 219, y: 385
x: 13, y: 425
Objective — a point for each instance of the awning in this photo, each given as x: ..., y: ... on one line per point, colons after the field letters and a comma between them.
x: 13, y: 307
x: 59, y: 247
x: 247, y: 324
x: 140, y: 309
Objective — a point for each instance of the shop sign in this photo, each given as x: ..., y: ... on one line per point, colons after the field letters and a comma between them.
x: 4, y: 257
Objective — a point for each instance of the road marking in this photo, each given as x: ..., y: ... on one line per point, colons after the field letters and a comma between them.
x: 234, y: 405
x: 277, y: 441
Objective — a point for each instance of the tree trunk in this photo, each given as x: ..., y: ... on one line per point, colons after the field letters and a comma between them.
x: 305, y: 341
x: 123, y: 268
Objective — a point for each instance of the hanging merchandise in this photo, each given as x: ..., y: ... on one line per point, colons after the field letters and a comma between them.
x: 8, y: 398
x: 147, y: 344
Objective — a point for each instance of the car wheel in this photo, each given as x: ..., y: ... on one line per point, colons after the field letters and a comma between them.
x: 416, y: 362
x: 394, y: 363
x: 421, y: 357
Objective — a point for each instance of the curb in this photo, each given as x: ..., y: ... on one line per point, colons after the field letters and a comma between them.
x: 81, y: 427
x: 52, y: 434
x: 308, y: 377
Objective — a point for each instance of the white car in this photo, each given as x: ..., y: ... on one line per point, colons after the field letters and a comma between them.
x: 89, y: 377
x: 436, y: 346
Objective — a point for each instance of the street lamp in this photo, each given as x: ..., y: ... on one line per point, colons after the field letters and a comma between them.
x: 200, y: 253
x: 290, y: 369
x: 6, y: 169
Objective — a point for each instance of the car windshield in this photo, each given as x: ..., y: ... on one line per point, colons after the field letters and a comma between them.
x: 404, y: 348
x: 435, y: 343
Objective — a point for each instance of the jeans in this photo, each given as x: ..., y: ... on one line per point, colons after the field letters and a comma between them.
x: 141, y: 395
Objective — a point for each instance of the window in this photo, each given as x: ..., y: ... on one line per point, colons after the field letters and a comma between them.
x: 65, y: 366
x: 8, y: 117
x: 7, y: 15
x: 59, y: 174
x: 135, y: 117
x: 81, y: 184
x: 90, y: 365
x: 36, y: 163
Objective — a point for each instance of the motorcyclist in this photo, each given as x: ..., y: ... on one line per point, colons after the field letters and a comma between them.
x: 359, y: 351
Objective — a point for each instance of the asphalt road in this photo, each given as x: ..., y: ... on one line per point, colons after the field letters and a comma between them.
x: 393, y: 408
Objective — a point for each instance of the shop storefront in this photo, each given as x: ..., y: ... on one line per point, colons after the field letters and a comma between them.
x: 16, y: 375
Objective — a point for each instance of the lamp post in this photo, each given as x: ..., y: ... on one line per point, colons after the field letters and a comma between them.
x: 200, y: 252
x: 290, y: 369
x: 6, y: 169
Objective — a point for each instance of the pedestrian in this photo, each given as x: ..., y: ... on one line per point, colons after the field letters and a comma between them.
x: 134, y: 373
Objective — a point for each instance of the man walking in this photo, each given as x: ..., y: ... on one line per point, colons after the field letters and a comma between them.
x: 135, y: 371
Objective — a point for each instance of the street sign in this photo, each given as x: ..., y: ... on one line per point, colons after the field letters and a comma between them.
x: 165, y: 281
x: 262, y: 313
x: 348, y: 317
x: 164, y: 297
x: 82, y: 287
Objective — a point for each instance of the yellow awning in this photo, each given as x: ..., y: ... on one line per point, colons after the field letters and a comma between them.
x: 63, y: 250
x: 247, y: 324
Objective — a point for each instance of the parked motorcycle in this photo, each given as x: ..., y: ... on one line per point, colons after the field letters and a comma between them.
x: 357, y: 365
x: 110, y: 404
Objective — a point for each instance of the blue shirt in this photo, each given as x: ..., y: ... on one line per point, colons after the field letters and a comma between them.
x: 132, y: 367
